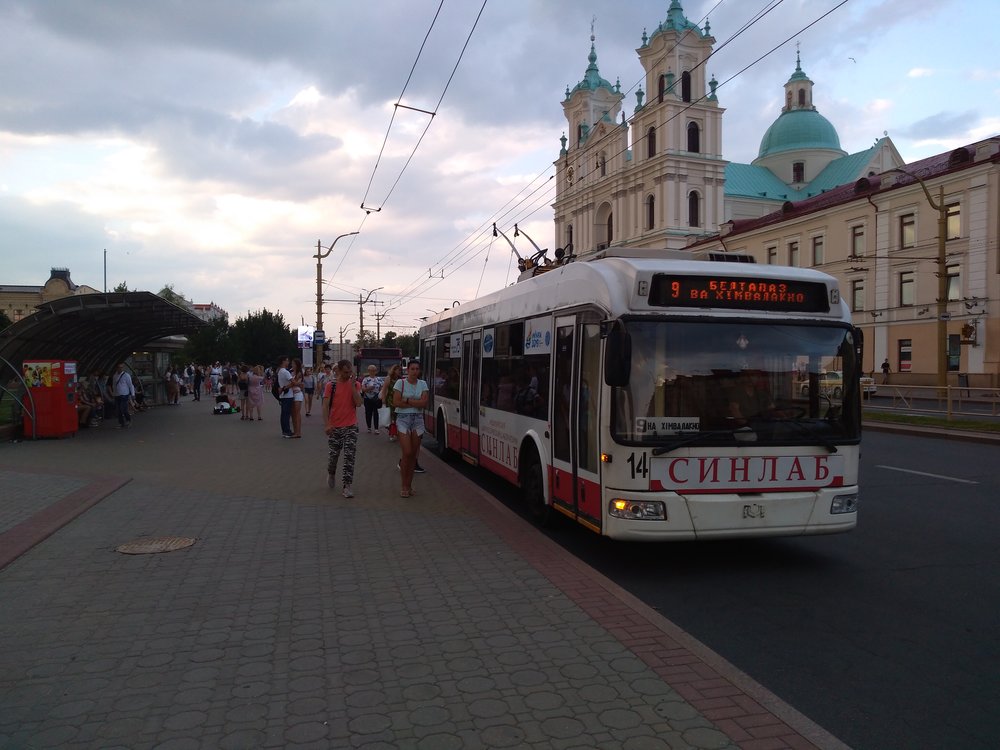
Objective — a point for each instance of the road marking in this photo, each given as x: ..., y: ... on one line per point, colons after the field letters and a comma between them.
x: 925, y: 474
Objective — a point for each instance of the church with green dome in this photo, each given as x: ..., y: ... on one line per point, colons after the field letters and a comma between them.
x: 658, y: 178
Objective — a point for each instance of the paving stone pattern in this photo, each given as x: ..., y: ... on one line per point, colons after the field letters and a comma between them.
x: 300, y: 619
x: 22, y: 495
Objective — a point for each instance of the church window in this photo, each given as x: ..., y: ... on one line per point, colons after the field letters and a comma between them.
x: 799, y: 171
x: 579, y: 134
x: 611, y: 227
x: 686, y: 86
x: 661, y: 88
x: 651, y: 143
x: 694, y: 138
x: 650, y: 212
x: 694, y: 209
x: 802, y: 97
x: 569, y: 235
x: 602, y: 164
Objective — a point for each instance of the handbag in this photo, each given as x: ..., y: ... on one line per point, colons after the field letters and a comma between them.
x: 383, y: 415
x: 392, y: 430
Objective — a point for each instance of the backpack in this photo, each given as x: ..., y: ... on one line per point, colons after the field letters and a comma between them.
x: 275, y: 390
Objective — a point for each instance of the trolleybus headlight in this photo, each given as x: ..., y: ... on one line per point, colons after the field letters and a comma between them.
x: 844, y: 503
x: 637, y: 510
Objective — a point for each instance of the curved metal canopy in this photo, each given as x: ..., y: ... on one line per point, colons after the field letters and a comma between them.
x: 95, y: 330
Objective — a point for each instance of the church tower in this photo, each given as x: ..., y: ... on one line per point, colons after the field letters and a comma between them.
x: 597, y: 149
x: 669, y: 185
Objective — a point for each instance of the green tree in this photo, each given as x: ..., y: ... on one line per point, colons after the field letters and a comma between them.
x: 4, y: 320
x: 262, y: 337
x: 209, y: 343
x: 409, y: 343
x: 171, y: 295
x: 122, y: 287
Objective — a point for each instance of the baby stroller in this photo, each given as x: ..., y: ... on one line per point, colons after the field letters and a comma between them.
x: 222, y: 405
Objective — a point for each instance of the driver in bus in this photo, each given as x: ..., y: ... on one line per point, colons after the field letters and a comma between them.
x: 748, y: 396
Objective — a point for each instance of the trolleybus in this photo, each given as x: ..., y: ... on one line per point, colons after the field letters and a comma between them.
x: 657, y: 395
x: 381, y: 356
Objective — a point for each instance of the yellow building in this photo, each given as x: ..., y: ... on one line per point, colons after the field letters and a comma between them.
x: 20, y: 301
x: 916, y: 251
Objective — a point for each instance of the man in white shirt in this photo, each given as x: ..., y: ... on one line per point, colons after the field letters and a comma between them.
x: 124, y: 391
x: 285, y: 397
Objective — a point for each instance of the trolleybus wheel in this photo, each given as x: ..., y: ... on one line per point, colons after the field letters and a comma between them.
x: 441, y: 435
x: 534, y: 489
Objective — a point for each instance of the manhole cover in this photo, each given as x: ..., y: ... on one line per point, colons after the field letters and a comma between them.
x: 152, y: 545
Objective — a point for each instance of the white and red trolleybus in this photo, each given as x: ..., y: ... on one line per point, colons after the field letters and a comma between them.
x: 657, y: 395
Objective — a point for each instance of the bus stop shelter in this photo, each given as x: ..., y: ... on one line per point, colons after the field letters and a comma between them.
x: 95, y: 330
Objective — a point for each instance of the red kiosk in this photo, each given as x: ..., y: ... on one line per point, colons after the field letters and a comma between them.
x: 51, y: 398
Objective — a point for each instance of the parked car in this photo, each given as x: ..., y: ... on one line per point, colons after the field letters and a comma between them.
x: 831, y: 384
x: 868, y: 386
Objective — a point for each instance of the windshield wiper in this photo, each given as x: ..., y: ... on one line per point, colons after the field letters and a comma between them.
x: 804, y: 430
x: 744, y: 434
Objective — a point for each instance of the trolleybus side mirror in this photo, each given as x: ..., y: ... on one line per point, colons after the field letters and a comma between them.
x: 617, y: 355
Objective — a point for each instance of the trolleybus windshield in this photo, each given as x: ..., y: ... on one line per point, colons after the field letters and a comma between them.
x: 738, y: 382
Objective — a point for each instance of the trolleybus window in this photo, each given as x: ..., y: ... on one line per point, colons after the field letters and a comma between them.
x: 723, y: 382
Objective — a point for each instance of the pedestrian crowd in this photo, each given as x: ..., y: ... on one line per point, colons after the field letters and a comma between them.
x: 393, y: 402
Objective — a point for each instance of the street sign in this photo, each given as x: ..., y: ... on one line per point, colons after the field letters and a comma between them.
x: 319, y: 337
x: 944, y: 316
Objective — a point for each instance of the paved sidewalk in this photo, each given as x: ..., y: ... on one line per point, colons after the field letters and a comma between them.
x: 303, y: 619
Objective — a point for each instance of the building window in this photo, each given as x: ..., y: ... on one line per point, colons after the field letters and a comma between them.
x: 817, y: 251
x: 905, y: 349
x: 602, y: 164
x: 857, y: 295
x: 569, y: 236
x: 793, y: 253
x: 772, y: 255
x: 661, y: 88
x: 799, y: 171
x: 954, y: 222
x: 694, y: 138
x: 954, y: 278
x: 802, y: 97
x: 651, y: 142
x: 579, y: 134
x: 686, y: 86
x: 907, y: 230
x: 907, y: 282
x: 954, y: 351
x: 694, y: 210
x: 650, y: 212
x: 857, y: 241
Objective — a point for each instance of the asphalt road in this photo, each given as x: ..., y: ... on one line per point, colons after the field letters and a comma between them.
x: 888, y: 636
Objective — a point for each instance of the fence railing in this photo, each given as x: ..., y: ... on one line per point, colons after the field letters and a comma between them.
x: 952, y: 401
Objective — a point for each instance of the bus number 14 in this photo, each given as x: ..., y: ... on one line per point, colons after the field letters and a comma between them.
x: 640, y: 467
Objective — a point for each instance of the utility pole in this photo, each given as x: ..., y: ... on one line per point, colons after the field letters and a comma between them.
x: 378, y: 324
x: 319, y: 289
x: 361, y: 308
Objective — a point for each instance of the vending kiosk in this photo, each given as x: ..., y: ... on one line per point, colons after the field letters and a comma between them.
x: 50, y: 404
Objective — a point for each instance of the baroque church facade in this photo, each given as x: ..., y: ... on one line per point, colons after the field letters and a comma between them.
x: 658, y: 179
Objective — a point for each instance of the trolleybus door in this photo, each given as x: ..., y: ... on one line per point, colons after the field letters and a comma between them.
x: 575, y: 480
x: 469, y: 398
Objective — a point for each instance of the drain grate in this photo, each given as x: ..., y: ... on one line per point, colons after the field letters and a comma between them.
x: 153, y: 545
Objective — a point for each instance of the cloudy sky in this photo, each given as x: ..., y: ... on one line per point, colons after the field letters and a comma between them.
x: 209, y: 144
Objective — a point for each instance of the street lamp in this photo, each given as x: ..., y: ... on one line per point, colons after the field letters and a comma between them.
x: 319, y: 289
x: 942, y: 274
x: 361, y: 306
